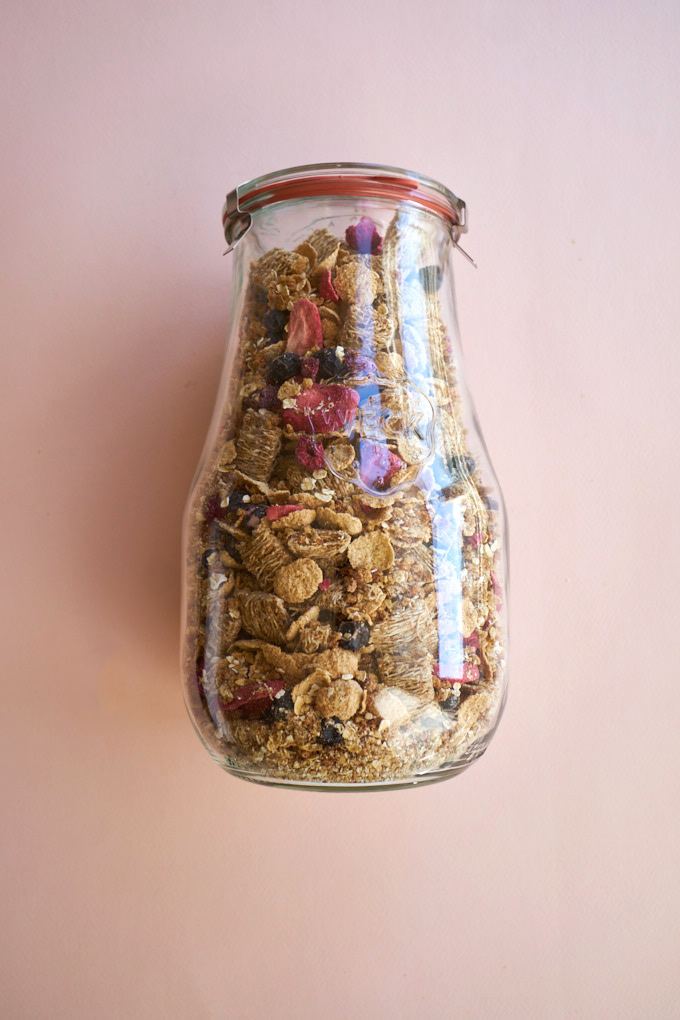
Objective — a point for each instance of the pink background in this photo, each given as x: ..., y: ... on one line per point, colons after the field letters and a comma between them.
x: 140, y: 881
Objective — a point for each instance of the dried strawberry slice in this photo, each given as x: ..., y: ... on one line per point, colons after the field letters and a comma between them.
x: 325, y: 584
x: 378, y: 465
x: 322, y: 408
x: 304, y: 327
x: 472, y: 641
x: 275, y: 513
x: 309, y: 454
x: 364, y: 238
x: 253, y: 700
x: 326, y: 288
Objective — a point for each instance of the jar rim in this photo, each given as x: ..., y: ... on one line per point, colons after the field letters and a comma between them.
x: 360, y: 180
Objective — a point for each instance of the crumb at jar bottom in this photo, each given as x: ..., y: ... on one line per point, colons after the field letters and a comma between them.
x: 306, y: 752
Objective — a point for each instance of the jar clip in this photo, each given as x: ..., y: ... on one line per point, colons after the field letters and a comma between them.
x: 236, y: 223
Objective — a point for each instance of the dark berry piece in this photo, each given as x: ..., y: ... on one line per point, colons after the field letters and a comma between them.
x: 280, y: 707
x: 274, y: 322
x: 266, y: 397
x: 452, y: 702
x: 463, y: 466
x: 255, y: 514
x: 331, y: 734
x: 239, y: 499
x: 330, y: 365
x: 354, y: 635
x: 284, y: 367
x: 430, y: 278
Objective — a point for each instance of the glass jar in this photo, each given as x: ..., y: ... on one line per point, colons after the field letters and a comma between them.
x: 344, y: 539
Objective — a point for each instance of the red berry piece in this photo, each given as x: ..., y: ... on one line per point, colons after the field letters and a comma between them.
x: 253, y: 700
x: 304, y: 327
x: 275, y: 513
x: 325, y: 584
x: 472, y: 641
x: 378, y: 465
x: 364, y: 238
x: 470, y: 672
x: 309, y: 454
x: 322, y: 409
x: 213, y: 509
x: 326, y: 288
x: 266, y: 397
x: 309, y: 368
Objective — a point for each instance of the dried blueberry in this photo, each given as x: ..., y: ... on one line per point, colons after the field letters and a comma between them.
x: 280, y: 707
x: 284, y: 367
x: 331, y: 733
x: 354, y: 635
x: 239, y: 499
x: 430, y: 278
x: 463, y: 467
x: 330, y: 365
x: 274, y: 322
x: 452, y: 702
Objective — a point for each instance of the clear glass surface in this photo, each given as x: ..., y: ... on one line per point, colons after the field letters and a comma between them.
x: 344, y: 539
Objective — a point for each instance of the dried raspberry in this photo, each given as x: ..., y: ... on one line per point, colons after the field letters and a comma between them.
x: 472, y: 641
x: 253, y: 700
x: 275, y: 513
x: 309, y: 368
x: 364, y: 237
x: 266, y: 397
x: 304, y: 327
x: 322, y: 409
x: 213, y: 509
x: 326, y: 288
x: 378, y: 465
x: 325, y: 584
x: 359, y: 364
x: 309, y: 454
x: 475, y: 540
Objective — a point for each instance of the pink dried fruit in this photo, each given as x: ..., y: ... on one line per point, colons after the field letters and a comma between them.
x: 470, y: 672
x: 275, y: 513
x: 378, y: 465
x: 304, y: 327
x: 326, y: 288
x: 325, y: 584
x: 472, y: 641
x: 253, y: 700
x: 364, y: 238
x: 322, y: 409
x: 309, y: 454
x: 309, y: 368
x: 359, y: 364
x: 475, y: 540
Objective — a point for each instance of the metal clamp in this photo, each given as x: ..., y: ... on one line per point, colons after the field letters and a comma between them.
x: 236, y: 223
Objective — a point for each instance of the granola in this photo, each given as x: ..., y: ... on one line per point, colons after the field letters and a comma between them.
x: 344, y: 602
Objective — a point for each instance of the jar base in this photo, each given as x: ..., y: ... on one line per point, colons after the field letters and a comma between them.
x: 447, y: 771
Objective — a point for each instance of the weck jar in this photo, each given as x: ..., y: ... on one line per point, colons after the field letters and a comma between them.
x: 344, y: 538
